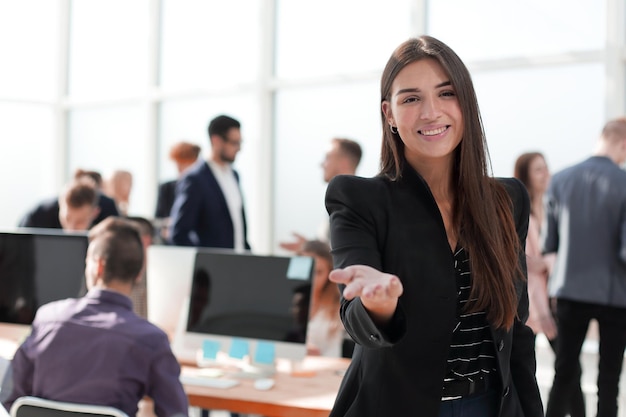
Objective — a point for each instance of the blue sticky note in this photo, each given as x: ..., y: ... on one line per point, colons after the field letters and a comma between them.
x: 210, y: 349
x: 238, y: 348
x: 300, y: 267
x: 265, y: 352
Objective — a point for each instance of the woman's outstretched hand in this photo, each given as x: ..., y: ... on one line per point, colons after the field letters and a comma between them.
x: 378, y: 291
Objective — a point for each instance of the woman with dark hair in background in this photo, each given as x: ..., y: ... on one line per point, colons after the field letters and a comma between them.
x: 532, y: 170
x: 325, y: 332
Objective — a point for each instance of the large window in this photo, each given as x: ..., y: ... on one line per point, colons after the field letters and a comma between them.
x: 28, y: 153
x: 558, y: 110
x: 491, y: 29
x: 328, y: 37
x: 210, y: 44
x: 29, y: 79
x: 112, y: 84
x: 29, y: 46
x: 109, y: 49
x: 113, y: 138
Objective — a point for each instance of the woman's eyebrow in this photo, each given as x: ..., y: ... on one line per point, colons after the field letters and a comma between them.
x: 417, y: 90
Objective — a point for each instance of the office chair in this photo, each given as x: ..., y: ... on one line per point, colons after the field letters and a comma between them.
x: 38, y: 407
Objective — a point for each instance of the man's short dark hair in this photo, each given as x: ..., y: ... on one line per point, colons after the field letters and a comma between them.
x: 117, y: 241
x: 221, y: 125
x: 145, y: 226
x: 351, y: 149
x: 80, y: 193
x: 94, y: 175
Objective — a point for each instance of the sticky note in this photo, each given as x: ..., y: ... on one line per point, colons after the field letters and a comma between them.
x: 264, y: 353
x: 238, y: 348
x: 210, y: 349
x: 300, y: 268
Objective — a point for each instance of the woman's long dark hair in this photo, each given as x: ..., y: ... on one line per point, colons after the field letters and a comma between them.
x: 522, y: 172
x: 482, y: 211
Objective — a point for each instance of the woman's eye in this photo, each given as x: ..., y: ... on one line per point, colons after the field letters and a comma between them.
x: 410, y: 99
x: 448, y: 93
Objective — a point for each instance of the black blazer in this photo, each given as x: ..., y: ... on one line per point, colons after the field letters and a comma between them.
x: 46, y: 214
x: 165, y: 199
x: 396, y: 227
x: 200, y: 215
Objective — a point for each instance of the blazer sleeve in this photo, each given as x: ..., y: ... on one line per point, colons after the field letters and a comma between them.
x: 45, y: 215
x: 166, y: 193
x: 29, y: 219
x: 185, y: 212
x: 354, y: 207
x: 523, y: 363
x: 550, y: 230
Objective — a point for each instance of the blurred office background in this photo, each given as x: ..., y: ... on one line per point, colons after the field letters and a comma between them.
x: 111, y: 84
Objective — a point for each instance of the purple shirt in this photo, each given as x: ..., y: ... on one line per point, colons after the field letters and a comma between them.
x: 95, y: 350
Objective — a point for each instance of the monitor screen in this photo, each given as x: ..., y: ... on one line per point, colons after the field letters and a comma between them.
x: 249, y: 298
x: 38, y: 266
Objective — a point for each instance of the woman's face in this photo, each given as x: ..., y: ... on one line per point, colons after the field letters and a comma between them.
x: 424, y: 107
x: 538, y: 175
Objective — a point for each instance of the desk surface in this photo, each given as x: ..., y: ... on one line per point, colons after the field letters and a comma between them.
x: 310, y: 394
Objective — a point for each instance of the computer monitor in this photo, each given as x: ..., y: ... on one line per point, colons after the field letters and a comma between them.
x: 169, y: 273
x: 37, y: 266
x: 239, y: 303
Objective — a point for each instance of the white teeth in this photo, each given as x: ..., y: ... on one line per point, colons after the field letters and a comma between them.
x: 434, y: 131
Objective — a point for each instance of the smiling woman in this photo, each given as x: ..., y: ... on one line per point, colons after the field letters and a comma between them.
x: 430, y: 257
x: 425, y: 112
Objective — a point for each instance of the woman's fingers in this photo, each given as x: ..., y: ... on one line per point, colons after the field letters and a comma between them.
x: 385, y: 288
x: 367, y: 282
x: 395, y: 287
x: 340, y: 276
x: 353, y: 289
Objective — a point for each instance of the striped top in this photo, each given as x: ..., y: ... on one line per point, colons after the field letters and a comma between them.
x: 472, y: 352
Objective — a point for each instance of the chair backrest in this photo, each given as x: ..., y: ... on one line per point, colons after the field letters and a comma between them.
x: 38, y: 407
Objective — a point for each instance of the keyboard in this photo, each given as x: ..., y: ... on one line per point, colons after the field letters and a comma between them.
x: 205, y: 381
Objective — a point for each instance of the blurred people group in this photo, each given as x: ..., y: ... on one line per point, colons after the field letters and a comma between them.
x: 575, y: 244
x: 82, y: 203
x: 576, y: 260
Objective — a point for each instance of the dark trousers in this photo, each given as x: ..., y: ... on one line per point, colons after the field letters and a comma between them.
x: 480, y: 405
x: 572, y: 323
x: 576, y: 403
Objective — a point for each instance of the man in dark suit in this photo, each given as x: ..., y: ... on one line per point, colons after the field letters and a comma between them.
x: 105, y: 203
x: 75, y: 209
x: 208, y: 209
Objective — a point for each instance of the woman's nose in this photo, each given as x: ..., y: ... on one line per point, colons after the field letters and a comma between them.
x: 430, y: 109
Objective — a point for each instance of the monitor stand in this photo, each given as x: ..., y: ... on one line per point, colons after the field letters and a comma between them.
x: 254, y: 371
x: 234, y: 367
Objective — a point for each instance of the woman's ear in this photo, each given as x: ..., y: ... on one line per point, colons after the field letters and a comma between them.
x: 386, y: 108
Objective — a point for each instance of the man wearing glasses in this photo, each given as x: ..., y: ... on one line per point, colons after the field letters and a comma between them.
x: 208, y: 208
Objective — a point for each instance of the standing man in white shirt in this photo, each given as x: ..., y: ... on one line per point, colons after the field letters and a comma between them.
x: 208, y: 208
x: 341, y: 158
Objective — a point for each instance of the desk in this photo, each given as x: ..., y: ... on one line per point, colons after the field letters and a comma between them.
x: 291, y: 396
x: 11, y: 337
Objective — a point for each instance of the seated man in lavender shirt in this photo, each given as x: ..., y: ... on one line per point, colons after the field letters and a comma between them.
x: 94, y: 349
